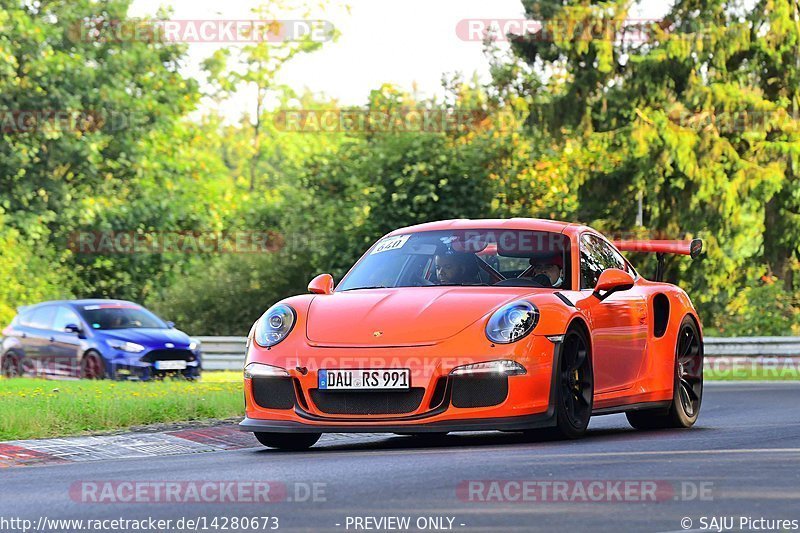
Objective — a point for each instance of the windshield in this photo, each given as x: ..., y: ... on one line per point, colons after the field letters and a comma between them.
x: 479, y: 257
x: 120, y: 316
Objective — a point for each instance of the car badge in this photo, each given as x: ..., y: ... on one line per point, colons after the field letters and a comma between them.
x: 169, y: 345
x: 377, y: 333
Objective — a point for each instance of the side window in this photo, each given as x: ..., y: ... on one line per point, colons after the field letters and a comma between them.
x: 24, y: 319
x: 64, y: 317
x: 42, y: 318
x: 597, y: 256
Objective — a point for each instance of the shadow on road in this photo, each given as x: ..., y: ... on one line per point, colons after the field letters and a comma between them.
x: 374, y: 442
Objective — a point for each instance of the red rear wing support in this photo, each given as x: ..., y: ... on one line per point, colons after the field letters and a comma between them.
x: 692, y: 248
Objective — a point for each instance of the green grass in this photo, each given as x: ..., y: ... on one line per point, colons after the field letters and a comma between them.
x: 37, y: 408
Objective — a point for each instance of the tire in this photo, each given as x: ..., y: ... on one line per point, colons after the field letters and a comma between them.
x: 11, y: 366
x: 687, y: 389
x: 92, y: 366
x: 574, y: 382
x: 288, y: 441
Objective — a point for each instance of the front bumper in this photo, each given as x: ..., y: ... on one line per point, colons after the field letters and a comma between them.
x: 513, y: 423
x: 125, y: 366
x: 526, y: 401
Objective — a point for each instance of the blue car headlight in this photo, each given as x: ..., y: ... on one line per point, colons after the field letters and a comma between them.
x: 125, y: 346
x: 512, y: 322
x: 274, y: 325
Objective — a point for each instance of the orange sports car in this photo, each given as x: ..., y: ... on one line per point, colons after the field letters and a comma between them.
x: 469, y: 325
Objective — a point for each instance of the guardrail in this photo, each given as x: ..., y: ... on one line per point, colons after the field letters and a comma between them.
x: 227, y: 353
x: 223, y: 353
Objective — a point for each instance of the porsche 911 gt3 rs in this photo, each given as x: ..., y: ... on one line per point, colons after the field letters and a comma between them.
x: 468, y: 325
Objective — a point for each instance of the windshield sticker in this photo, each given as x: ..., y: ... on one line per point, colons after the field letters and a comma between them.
x: 392, y: 243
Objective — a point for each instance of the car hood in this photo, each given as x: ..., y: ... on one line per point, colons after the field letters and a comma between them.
x: 150, y: 338
x: 404, y: 316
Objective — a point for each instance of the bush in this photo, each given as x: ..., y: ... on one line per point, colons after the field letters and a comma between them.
x: 762, y: 308
x: 28, y: 276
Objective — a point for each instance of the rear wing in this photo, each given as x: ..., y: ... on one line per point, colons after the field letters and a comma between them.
x: 692, y: 248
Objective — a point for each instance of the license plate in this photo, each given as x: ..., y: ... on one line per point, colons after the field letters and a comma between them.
x: 170, y: 365
x: 372, y: 379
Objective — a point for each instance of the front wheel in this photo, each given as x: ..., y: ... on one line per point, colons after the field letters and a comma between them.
x: 574, y: 386
x: 687, y: 392
x: 288, y: 441
x: 11, y: 366
x: 92, y: 366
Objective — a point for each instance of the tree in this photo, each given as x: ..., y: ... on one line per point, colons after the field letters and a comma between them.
x: 85, y: 110
x: 258, y: 65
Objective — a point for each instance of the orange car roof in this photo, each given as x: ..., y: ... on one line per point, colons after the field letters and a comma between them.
x: 536, y: 224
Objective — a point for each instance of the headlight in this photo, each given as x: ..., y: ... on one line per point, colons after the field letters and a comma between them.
x: 194, y: 344
x: 125, y: 346
x: 506, y: 367
x: 512, y: 322
x: 257, y: 370
x: 274, y: 325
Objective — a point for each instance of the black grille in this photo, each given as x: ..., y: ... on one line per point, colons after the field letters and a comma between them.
x: 475, y: 391
x: 367, y: 402
x: 273, y: 392
x: 168, y: 355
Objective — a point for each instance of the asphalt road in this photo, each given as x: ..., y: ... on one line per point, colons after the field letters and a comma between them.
x: 741, y: 460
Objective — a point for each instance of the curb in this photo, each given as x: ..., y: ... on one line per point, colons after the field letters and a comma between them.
x: 66, y: 450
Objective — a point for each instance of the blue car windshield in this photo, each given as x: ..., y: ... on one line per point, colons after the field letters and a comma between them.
x: 112, y: 316
x: 474, y: 257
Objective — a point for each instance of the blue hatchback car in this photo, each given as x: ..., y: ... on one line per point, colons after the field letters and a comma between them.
x: 96, y: 339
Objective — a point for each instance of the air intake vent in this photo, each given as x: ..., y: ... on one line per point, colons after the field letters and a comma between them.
x: 367, y: 402
x: 273, y: 392
x: 479, y: 391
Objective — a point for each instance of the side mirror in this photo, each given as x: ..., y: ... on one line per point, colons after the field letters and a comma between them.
x: 612, y: 280
x: 322, y: 284
x: 170, y: 324
x: 72, y: 328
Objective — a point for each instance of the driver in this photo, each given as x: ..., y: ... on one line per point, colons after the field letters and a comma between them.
x: 456, y: 268
x: 548, y: 271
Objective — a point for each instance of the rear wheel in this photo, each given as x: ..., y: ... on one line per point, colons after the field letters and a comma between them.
x: 11, y: 366
x: 688, y: 385
x: 288, y: 441
x: 92, y: 366
x: 574, y: 387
